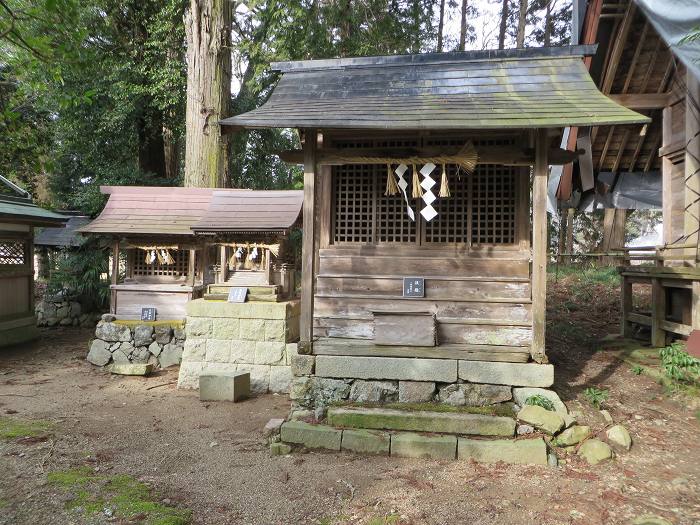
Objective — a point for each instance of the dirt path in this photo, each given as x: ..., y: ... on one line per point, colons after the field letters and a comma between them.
x: 212, y: 458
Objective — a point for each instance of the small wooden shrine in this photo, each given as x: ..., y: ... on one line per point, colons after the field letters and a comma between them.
x: 425, y: 186
x: 171, y: 243
x: 18, y: 218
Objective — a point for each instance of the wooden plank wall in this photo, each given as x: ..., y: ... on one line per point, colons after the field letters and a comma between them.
x: 17, y: 280
x: 170, y: 305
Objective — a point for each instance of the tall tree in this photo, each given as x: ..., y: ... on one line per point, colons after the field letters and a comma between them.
x: 463, y: 26
x: 441, y: 26
x: 522, y: 24
x: 207, y: 28
x: 503, y: 26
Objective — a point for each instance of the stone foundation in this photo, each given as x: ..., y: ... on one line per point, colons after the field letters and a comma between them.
x: 159, y: 343
x: 56, y: 311
x: 255, y: 337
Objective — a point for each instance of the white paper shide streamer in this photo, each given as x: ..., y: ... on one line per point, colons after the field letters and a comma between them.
x: 428, y: 197
x: 402, y: 184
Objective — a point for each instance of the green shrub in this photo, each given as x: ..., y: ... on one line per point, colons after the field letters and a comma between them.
x: 637, y: 370
x: 678, y: 364
x: 540, y: 401
x: 596, y: 396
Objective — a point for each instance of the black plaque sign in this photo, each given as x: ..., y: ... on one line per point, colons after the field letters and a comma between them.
x: 237, y: 294
x: 149, y: 314
x: 413, y: 287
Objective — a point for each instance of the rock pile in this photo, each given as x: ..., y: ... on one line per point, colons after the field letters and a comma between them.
x: 58, y: 311
x: 115, y: 342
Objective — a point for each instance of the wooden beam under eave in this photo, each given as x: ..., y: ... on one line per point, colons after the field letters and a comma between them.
x: 539, y: 247
x: 635, y: 58
x: 606, y: 146
x: 617, y: 48
x: 642, y: 100
x: 621, y: 151
x: 306, y: 318
x: 638, y: 147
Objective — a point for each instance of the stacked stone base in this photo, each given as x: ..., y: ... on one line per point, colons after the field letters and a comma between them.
x: 62, y: 312
x: 254, y: 337
x: 159, y: 343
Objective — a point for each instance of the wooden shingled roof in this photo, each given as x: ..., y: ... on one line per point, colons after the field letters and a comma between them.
x: 251, y: 211
x: 527, y: 88
x: 174, y: 211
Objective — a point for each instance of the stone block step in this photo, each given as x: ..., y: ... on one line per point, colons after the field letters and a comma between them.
x: 256, y: 289
x: 421, y: 421
x: 516, y: 452
x: 264, y: 298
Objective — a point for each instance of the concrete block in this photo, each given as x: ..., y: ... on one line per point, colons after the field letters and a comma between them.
x: 131, y: 369
x: 276, y: 330
x: 416, y: 391
x: 242, y: 351
x: 410, y: 445
x: 269, y: 353
x: 421, y: 421
x: 280, y: 379
x: 311, y: 436
x: 302, y: 365
x: 252, y: 329
x: 198, y: 327
x: 259, y: 377
x: 224, y: 387
x: 520, y: 452
x: 282, y: 310
x: 188, y: 377
x: 225, y: 328
x: 194, y: 350
x: 218, y: 351
x: 405, y: 369
x: 515, y: 374
x: 366, y: 441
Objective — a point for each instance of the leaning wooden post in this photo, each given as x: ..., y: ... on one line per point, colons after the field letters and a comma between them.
x: 306, y: 319
x: 115, y: 277
x: 539, y: 247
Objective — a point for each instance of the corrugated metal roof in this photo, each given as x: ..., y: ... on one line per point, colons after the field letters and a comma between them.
x: 251, y: 211
x: 150, y: 210
x: 66, y: 237
x: 531, y: 88
x: 169, y: 211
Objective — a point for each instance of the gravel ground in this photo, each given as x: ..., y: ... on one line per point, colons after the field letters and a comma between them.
x: 212, y: 457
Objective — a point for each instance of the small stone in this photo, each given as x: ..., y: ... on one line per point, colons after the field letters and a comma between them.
x: 468, y: 394
x: 155, y: 349
x: 273, y: 426
x: 544, y: 420
x: 143, y: 335
x: 171, y: 355
x: 131, y: 369
x: 75, y: 309
x: 298, y: 415
x: 607, y: 417
x: 373, y: 391
x: 568, y: 420
x: 416, y: 391
x: 572, y: 436
x: 552, y: 460
x: 163, y: 334
x: 120, y: 357
x: 522, y: 430
x: 320, y: 412
x: 594, y: 451
x: 99, y: 353
x: 619, y: 437
x: 650, y: 519
x: 108, y: 318
x: 213, y: 444
x: 66, y: 321
x: 140, y: 355
x: 113, y: 332
x: 280, y: 449
x: 302, y: 365
x: 179, y: 334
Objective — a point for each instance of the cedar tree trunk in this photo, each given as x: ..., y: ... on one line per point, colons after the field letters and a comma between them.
x: 522, y: 15
x: 207, y: 27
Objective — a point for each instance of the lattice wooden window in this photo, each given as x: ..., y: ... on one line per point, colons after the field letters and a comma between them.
x: 176, y: 270
x: 354, y: 202
x: 494, y: 190
x: 451, y: 225
x: 12, y: 253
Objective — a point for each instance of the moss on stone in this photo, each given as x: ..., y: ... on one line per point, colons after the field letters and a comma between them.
x: 501, y: 409
x: 135, y: 322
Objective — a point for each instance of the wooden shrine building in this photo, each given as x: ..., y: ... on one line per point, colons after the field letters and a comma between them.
x: 171, y: 243
x: 425, y: 183
x: 18, y: 218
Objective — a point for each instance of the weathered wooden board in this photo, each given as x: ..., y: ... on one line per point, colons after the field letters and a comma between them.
x: 170, y: 305
x: 434, y: 288
x: 463, y: 352
x: 14, y: 295
x: 404, y: 329
x: 360, y: 308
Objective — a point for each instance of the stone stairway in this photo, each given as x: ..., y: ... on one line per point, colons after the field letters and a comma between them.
x: 416, y: 433
x: 257, y: 293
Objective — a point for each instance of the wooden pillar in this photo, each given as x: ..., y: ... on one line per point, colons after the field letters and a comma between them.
x: 191, y: 266
x: 268, y: 265
x: 667, y: 179
x: 539, y: 247
x: 691, y: 219
x: 223, y: 263
x: 306, y: 319
x: 114, y: 277
x: 29, y: 259
x: 204, y: 263
x: 658, y: 313
x: 625, y: 306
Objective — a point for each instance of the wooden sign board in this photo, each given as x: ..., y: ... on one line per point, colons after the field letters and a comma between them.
x: 413, y: 287
x: 237, y: 294
x: 149, y: 313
